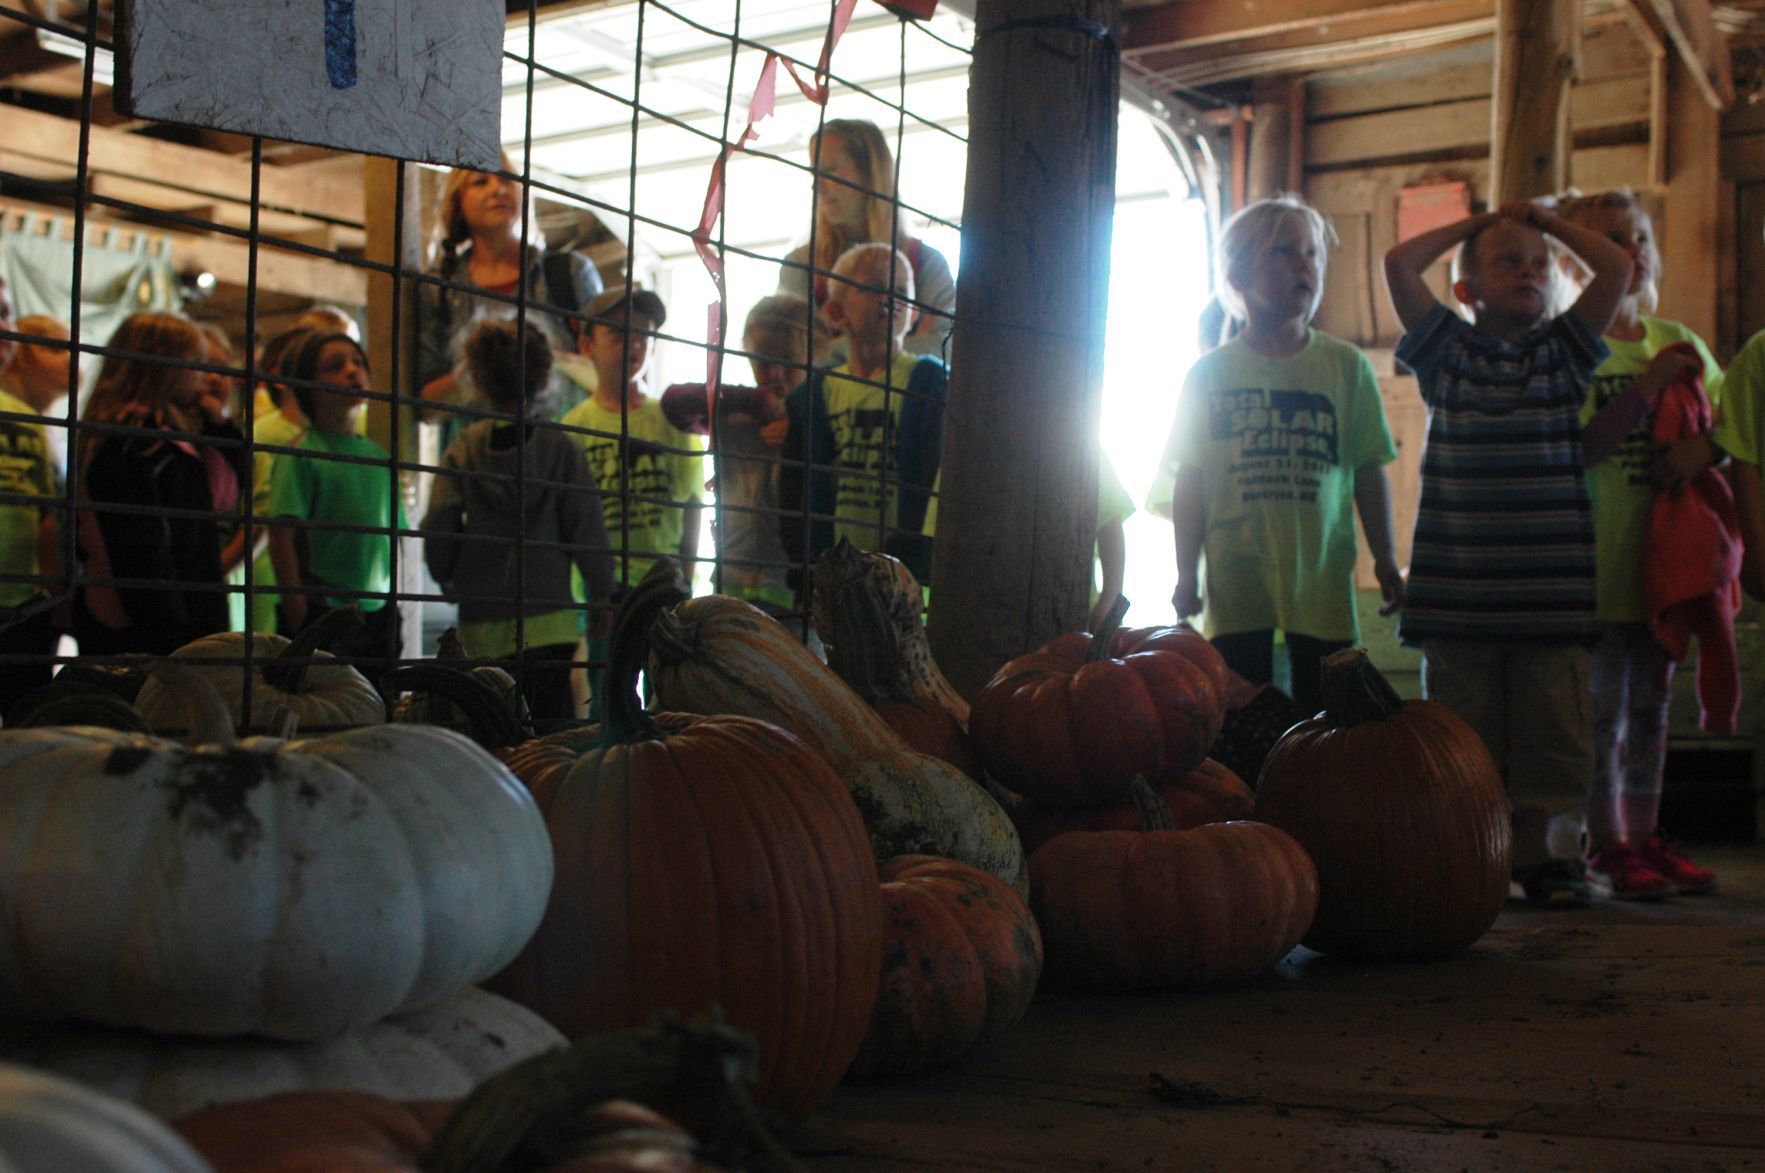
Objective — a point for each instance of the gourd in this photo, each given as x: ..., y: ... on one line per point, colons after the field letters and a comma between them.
x: 439, y: 1052
x: 714, y: 860
x: 864, y: 649
x: 961, y: 957
x: 1074, y: 722
x: 1160, y: 908
x: 1402, y: 808
x: 1210, y: 793
x: 293, y: 889
x: 426, y: 708
x: 904, y: 601
x: 580, y: 1108
x: 289, y: 681
x: 716, y: 654
x: 49, y: 1123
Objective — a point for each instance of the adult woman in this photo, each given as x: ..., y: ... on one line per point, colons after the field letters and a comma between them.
x: 168, y: 460
x: 855, y: 204
x: 478, y: 253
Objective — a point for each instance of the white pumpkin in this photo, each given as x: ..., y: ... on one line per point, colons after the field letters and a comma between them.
x: 317, y: 695
x: 297, y: 889
x: 49, y: 1123
x: 438, y: 1053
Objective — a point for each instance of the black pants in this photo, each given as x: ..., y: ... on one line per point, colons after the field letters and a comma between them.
x: 34, y: 636
x: 1251, y: 654
x: 544, y: 673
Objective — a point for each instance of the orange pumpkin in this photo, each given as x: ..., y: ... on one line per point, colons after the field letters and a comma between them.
x: 1074, y: 723
x: 961, y: 957
x: 1161, y: 908
x: 700, y: 862
x: 1210, y: 793
x: 1404, y: 811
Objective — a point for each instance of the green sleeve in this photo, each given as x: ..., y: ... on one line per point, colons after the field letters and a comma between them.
x: 290, y: 488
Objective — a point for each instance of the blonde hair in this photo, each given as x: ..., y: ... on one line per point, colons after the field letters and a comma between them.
x: 874, y: 258
x: 782, y: 315
x: 451, y: 230
x: 869, y: 151
x: 1246, y: 236
x: 1579, y: 209
x: 132, y: 388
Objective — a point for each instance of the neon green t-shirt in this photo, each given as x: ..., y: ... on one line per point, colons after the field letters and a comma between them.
x: 865, y: 509
x: 351, y: 494
x: 1619, y: 485
x: 25, y: 469
x: 1741, y: 414
x: 647, y: 497
x: 1277, y: 442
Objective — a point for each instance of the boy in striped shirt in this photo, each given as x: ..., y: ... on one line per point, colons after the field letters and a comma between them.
x: 1500, y: 593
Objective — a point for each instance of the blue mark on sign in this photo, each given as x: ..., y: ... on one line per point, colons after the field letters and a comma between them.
x: 340, y: 43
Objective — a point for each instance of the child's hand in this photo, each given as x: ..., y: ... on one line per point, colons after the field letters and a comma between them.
x: 1525, y: 211
x: 1668, y: 367
x: 1391, y: 586
x: 1682, y: 460
x: 773, y: 434
x: 1187, y: 599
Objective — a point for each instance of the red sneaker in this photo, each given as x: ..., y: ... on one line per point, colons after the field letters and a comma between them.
x: 1687, y: 878
x: 1619, y: 870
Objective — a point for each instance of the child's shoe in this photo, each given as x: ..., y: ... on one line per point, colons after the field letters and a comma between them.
x: 1620, y: 871
x: 1686, y: 877
x: 1558, y: 883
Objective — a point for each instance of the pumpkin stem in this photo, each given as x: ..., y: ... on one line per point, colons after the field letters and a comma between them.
x: 705, y: 1065
x: 287, y: 671
x: 660, y: 589
x: 209, y: 721
x: 450, y: 646
x: 865, y: 648
x: 1154, y: 814
x: 488, y: 719
x: 1104, y: 637
x: 1354, y: 690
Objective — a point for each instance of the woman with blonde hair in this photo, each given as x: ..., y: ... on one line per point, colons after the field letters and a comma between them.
x: 855, y: 204
x: 163, y: 442
x: 484, y: 269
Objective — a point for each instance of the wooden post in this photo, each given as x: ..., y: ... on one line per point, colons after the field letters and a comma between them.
x: 1277, y: 133
x: 1537, y: 59
x: 1688, y: 230
x: 1018, y: 518
x: 392, y: 239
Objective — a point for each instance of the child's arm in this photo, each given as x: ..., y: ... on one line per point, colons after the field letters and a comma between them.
x: 1112, y: 556
x: 689, y: 538
x: 287, y: 563
x: 1372, y: 500
x: 1409, y: 259
x: 1189, y: 519
x: 1612, y: 266
x: 1749, y: 508
x: 1605, y: 432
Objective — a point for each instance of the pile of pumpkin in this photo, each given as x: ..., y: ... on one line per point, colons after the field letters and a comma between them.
x: 832, y: 854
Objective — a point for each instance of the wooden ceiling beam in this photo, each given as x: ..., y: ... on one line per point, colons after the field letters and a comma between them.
x: 1192, y: 23
x: 1703, y: 47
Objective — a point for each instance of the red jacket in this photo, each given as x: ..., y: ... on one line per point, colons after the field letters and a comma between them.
x: 1694, y: 546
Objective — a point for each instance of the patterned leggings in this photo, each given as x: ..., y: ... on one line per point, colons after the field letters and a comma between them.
x: 1632, y: 686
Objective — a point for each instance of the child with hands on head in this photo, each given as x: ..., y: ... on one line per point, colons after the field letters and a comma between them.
x: 1501, y: 585
x: 1279, y: 439
x: 1632, y: 670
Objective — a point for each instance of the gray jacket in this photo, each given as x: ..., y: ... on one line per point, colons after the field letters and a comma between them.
x: 470, y: 532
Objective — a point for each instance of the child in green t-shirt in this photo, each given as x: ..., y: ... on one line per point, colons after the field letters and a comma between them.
x: 1279, y: 440
x: 340, y: 479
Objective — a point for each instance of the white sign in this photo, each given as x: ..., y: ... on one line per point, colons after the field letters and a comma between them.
x: 415, y: 79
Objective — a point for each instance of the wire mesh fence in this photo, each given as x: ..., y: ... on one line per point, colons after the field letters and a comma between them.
x: 249, y: 381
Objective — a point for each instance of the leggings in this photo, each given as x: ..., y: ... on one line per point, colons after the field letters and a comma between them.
x: 1632, y: 687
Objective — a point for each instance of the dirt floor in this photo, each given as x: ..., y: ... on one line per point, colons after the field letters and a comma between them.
x: 1617, y: 1037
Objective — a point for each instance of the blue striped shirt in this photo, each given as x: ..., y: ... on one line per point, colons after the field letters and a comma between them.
x: 1503, y: 546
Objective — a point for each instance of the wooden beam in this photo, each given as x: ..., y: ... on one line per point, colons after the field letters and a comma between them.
x: 1018, y: 518
x: 1275, y: 135
x: 1702, y: 46
x: 1688, y: 229
x: 134, y: 156
x: 1189, y: 23
x: 1537, y: 57
x: 380, y: 189
x: 228, y: 258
